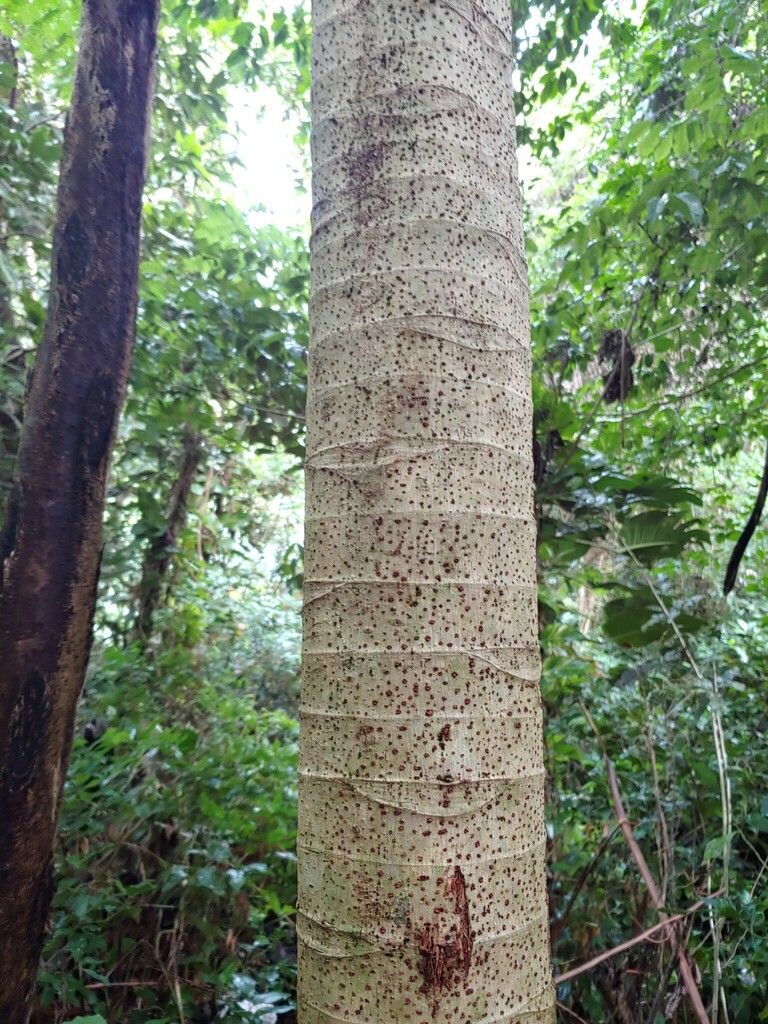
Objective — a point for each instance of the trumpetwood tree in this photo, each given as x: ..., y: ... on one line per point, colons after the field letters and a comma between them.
x: 421, y: 833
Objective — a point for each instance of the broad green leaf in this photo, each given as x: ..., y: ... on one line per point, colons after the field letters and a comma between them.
x: 656, y: 207
x: 715, y: 847
x: 693, y: 206
x: 655, y: 534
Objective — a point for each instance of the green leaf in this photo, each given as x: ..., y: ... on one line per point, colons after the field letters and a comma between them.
x: 637, y: 619
x: 692, y: 205
x: 210, y: 878
x: 656, y: 207
x: 656, y: 534
x: 715, y: 848
x: 632, y: 622
x: 187, y: 740
x: 744, y: 61
x: 648, y: 144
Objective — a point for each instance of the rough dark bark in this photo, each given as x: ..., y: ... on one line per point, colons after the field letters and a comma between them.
x: 51, y: 543
x: 160, y: 551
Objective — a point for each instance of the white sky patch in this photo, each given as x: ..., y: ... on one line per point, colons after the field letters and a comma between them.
x: 272, y: 165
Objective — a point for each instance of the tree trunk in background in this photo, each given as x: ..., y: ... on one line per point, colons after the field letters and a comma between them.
x: 52, y: 537
x: 159, y: 553
x: 11, y: 355
x: 421, y: 830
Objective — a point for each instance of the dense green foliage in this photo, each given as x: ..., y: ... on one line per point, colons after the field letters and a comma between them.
x: 648, y: 206
x: 176, y: 865
x: 645, y: 165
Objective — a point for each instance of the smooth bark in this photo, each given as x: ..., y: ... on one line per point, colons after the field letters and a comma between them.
x: 732, y: 570
x: 51, y: 543
x: 422, y: 893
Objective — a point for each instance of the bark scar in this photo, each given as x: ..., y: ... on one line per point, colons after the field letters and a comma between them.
x: 444, y: 735
x: 446, y: 959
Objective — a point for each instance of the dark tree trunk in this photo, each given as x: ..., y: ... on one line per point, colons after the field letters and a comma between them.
x: 732, y: 570
x: 159, y: 553
x: 51, y: 543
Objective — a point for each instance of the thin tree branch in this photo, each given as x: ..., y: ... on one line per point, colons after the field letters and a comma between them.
x: 684, y: 963
x: 279, y: 412
x: 571, y: 1013
x: 624, y: 946
x: 558, y: 924
x: 674, y: 402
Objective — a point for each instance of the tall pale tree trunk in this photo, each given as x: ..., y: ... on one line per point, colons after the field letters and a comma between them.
x: 421, y: 835
x: 51, y: 543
